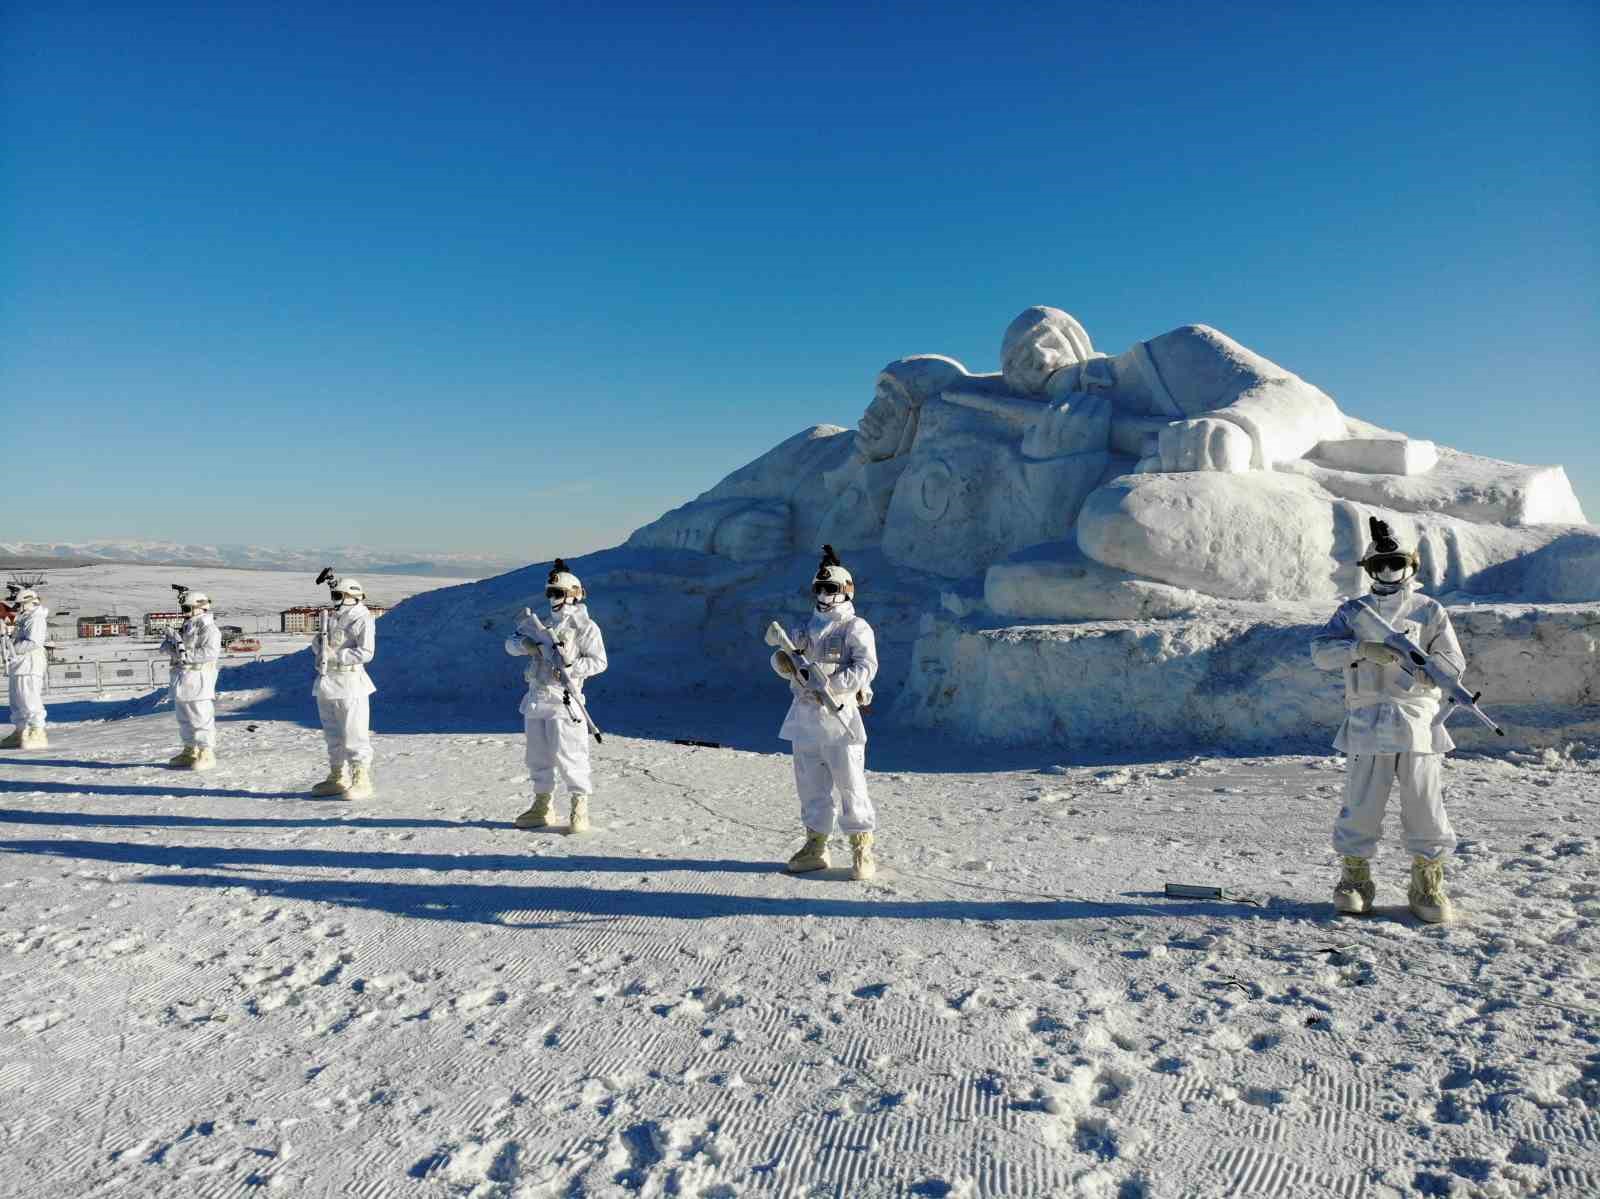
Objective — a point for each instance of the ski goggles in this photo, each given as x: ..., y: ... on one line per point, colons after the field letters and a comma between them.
x: 556, y: 593
x: 1387, y: 562
x: 826, y: 587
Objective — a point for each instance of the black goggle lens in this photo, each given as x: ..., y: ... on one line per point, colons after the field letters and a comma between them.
x: 822, y: 587
x: 1389, y: 562
x: 555, y: 593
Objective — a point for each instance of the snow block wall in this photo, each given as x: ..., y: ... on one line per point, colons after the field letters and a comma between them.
x: 1239, y: 680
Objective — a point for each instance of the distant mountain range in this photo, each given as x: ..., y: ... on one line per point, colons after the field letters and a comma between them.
x: 21, y: 554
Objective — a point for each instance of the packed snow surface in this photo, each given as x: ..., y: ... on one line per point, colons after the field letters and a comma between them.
x: 213, y: 984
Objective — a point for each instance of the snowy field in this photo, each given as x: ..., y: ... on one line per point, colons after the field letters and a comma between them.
x: 251, y: 599
x: 213, y: 984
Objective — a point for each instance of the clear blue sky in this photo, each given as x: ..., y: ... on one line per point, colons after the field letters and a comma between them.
x: 518, y: 277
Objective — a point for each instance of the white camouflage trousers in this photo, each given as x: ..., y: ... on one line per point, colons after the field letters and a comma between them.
x: 27, y: 700
x: 345, y: 726
x: 1368, y: 779
x: 558, y: 746
x: 197, y: 721
x: 822, y: 772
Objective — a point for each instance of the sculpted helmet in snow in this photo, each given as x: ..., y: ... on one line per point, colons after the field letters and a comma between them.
x: 1037, y: 344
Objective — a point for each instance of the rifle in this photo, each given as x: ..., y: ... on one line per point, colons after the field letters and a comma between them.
x: 323, y: 622
x: 531, y: 627
x: 1414, y: 658
x: 778, y: 638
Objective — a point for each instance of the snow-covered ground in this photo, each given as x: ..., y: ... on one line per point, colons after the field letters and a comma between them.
x: 212, y: 983
x: 251, y: 599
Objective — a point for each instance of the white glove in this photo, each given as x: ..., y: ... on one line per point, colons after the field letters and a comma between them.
x: 1377, y: 652
x: 567, y: 646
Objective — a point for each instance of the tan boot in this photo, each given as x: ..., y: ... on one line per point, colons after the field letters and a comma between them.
x: 537, y: 816
x: 338, y: 779
x: 579, y: 820
x: 13, y: 740
x: 183, y: 759
x: 34, y: 737
x: 360, y: 782
x: 813, y: 855
x: 205, y: 758
x: 862, y: 864
x: 1354, y: 892
x: 1426, y: 895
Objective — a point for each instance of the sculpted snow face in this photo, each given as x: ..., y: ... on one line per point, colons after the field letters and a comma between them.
x: 1187, y: 460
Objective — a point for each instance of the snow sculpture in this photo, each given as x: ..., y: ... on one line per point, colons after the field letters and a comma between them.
x: 1082, y: 485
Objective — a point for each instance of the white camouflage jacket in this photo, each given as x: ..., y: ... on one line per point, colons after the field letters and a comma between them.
x: 842, y: 646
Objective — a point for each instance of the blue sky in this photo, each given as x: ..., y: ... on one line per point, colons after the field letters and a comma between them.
x: 516, y: 278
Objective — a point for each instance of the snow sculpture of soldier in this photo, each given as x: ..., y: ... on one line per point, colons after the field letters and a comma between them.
x: 830, y: 749
x: 1391, y: 732
x: 25, y: 667
x: 196, y: 649
x: 557, y: 734
x: 343, y: 692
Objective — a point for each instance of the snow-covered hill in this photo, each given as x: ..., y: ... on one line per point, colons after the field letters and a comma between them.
x: 255, y: 557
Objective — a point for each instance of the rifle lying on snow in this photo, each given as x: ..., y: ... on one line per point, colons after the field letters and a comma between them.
x: 534, y: 629
x: 778, y: 638
x: 1413, y: 658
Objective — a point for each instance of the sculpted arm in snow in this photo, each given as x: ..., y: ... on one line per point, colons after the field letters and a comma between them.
x: 365, y: 649
x: 590, y: 659
x: 1334, y: 647
x: 860, y: 665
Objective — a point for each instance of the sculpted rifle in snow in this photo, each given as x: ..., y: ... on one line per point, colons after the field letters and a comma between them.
x: 813, y: 678
x: 1413, y: 658
x: 535, y: 630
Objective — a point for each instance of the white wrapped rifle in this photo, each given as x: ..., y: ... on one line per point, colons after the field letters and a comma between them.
x: 779, y: 639
x: 1413, y: 658
x: 533, y: 629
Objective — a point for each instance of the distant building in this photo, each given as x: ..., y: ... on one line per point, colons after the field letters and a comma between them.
x: 300, y: 620
x: 105, y: 626
x: 157, y: 623
x: 309, y: 620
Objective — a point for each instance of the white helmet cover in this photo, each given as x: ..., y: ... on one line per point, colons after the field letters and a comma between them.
x: 27, y: 597
x: 563, y: 580
x: 349, y: 587
x: 195, y: 599
x: 832, y: 571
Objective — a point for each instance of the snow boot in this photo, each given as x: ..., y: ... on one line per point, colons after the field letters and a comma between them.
x: 862, y: 864
x: 183, y: 759
x: 813, y: 855
x: 537, y: 816
x: 205, y: 758
x: 1354, y: 893
x: 13, y: 740
x: 33, y: 737
x: 579, y: 820
x: 334, y: 784
x: 1426, y: 896
x: 360, y: 782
